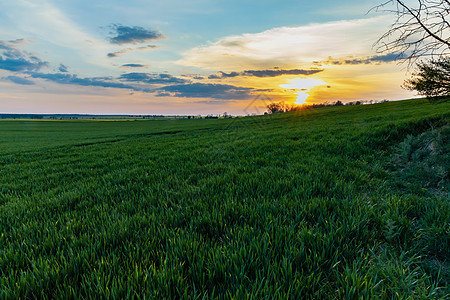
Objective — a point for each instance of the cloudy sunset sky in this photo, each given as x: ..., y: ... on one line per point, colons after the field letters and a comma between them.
x: 191, y: 57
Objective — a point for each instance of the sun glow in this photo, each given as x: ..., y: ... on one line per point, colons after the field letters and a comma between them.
x: 301, y: 97
x: 301, y: 86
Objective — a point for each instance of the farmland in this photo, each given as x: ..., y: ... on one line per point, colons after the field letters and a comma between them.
x: 323, y: 203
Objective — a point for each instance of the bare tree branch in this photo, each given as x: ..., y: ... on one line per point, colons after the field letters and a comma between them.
x: 421, y: 24
x: 420, y: 30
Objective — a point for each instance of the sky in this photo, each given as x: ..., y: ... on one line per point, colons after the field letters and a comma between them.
x: 192, y: 57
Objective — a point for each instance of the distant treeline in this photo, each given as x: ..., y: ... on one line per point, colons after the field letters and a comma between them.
x: 284, y: 107
x: 21, y: 116
x: 271, y: 108
x: 79, y: 116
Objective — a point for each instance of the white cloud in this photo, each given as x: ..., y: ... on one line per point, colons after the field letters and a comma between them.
x: 47, y: 25
x: 288, y: 46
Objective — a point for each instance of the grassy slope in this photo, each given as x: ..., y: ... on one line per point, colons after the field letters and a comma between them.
x: 295, y: 204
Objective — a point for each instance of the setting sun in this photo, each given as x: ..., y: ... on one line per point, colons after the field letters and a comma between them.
x: 301, y: 86
x: 301, y: 98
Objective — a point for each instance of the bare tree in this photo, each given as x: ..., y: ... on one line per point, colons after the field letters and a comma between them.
x: 421, y: 29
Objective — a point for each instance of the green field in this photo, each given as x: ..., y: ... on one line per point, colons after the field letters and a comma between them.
x: 338, y: 202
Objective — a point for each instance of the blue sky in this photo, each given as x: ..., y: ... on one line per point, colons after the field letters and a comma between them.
x: 190, y: 57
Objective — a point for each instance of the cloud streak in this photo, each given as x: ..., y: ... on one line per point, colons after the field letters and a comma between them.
x: 19, y: 80
x: 15, y: 60
x: 94, y: 81
x: 206, y: 90
x: 62, y: 68
x: 128, y: 50
x: 377, y: 59
x: 133, y: 35
x: 119, y: 53
x: 134, y: 66
x: 152, y: 78
x: 264, y: 73
x: 171, y: 88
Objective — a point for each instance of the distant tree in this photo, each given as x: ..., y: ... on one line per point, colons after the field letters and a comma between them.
x: 276, y: 107
x: 353, y: 103
x: 431, y: 79
x: 280, y: 107
x: 295, y: 107
x: 338, y: 103
x: 419, y: 30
